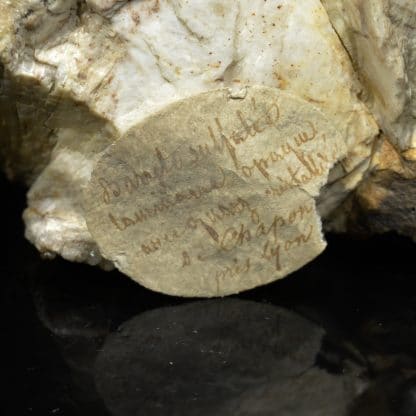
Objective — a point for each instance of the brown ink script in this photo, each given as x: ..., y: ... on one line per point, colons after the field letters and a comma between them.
x: 213, y: 195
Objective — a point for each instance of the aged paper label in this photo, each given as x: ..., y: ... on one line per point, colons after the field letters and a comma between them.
x: 214, y: 194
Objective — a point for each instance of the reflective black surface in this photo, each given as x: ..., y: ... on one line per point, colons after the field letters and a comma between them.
x: 336, y: 338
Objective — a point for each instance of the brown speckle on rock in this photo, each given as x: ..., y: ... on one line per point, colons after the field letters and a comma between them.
x: 156, y: 6
x: 135, y: 17
x: 281, y: 81
x: 218, y: 9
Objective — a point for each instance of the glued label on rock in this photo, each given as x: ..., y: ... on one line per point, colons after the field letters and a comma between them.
x: 214, y: 194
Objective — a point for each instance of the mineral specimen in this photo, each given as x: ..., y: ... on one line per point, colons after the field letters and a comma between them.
x: 197, y: 145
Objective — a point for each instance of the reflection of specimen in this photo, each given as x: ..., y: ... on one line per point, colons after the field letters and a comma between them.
x: 220, y: 357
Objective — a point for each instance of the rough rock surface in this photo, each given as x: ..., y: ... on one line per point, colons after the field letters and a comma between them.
x: 380, y: 37
x: 77, y: 75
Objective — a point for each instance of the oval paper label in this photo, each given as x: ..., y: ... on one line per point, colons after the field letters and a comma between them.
x: 214, y: 194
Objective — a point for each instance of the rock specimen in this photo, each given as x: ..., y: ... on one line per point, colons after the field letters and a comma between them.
x: 198, y: 145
